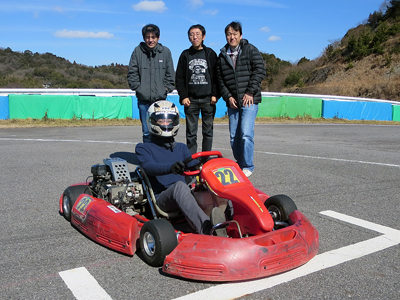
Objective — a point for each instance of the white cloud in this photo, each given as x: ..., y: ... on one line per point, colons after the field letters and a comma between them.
x: 194, y: 4
x: 265, y: 29
x: 83, y: 34
x: 274, y: 38
x: 146, y: 5
x: 211, y: 12
x: 58, y: 9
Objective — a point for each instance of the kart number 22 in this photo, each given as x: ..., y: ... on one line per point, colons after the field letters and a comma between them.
x: 226, y: 176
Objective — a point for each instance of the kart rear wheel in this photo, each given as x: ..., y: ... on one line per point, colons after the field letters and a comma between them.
x: 70, y: 195
x: 280, y: 207
x: 157, y: 240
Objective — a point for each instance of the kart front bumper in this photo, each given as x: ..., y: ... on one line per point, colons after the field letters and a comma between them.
x: 211, y: 258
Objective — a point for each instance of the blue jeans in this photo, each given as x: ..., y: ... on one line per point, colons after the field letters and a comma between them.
x: 143, y: 107
x: 241, y: 129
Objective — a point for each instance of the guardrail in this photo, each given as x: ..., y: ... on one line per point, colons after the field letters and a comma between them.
x: 121, y: 103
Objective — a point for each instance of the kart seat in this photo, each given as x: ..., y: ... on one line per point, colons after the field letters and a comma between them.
x: 155, y: 209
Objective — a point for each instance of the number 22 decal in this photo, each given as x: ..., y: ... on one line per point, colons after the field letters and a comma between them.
x: 226, y: 176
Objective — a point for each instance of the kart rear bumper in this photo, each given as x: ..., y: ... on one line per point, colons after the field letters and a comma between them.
x: 210, y: 258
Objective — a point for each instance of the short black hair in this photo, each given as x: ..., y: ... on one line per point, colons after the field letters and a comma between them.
x: 198, y: 26
x: 151, y: 28
x: 237, y: 26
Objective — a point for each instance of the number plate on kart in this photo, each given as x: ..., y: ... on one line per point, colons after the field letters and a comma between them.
x: 226, y: 176
x: 82, y: 205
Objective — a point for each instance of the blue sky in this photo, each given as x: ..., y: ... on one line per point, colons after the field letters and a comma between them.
x: 99, y: 32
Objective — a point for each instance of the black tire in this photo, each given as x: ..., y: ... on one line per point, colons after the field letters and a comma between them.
x: 157, y: 240
x: 280, y: 207
x: 70, y: 195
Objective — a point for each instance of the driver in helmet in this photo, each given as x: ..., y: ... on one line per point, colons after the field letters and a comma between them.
x: 162, y: 159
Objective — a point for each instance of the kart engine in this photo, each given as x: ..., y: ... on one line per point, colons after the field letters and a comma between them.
x: 112, y: 182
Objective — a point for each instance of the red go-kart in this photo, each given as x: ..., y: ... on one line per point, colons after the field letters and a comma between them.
x: 265, y: 236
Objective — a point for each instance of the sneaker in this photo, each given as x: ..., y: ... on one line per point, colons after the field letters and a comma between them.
x: 247, y: 172
x: 217, y: 217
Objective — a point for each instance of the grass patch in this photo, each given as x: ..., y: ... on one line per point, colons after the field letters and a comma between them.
x: 50, y: 122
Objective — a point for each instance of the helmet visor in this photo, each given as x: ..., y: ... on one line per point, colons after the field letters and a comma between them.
x: 166, y: 121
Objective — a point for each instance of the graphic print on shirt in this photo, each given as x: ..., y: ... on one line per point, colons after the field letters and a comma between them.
x: 199, y: 69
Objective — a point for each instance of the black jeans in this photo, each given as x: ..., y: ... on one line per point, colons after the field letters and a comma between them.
x: 192, y: 113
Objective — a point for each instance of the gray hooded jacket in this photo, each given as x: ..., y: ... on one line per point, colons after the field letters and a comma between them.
x: 151, y: 72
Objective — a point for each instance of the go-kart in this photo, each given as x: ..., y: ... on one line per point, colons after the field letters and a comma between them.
x: 265, y: 235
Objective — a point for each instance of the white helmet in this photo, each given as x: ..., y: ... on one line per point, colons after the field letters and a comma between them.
x: 163, y: 119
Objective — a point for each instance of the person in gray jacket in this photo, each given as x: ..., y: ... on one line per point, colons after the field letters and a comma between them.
x: 151, y: 73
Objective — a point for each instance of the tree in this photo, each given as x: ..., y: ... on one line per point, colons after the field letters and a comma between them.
x: 393, y: 10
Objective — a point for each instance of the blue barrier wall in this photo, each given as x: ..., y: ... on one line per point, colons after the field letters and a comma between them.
x: 221, y: 107
x: 4, y: 108
x: 352, y: 110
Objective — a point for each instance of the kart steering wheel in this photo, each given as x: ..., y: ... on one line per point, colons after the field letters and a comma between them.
x: 202, y: 158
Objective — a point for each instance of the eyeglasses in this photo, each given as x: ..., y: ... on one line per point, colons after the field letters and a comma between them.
x: 236, y: 33
x: 192, y: 35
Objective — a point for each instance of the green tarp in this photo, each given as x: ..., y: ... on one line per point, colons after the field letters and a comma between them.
x: 291, y: 107
x: 396, y: 113
x: 69, y: 106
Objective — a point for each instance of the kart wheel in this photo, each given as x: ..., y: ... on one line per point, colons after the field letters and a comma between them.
x: 70, y: 195
x: 280, y: 207
x: 157, y: 240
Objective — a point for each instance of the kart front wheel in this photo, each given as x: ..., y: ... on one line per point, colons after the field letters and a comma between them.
x: 157, y: 240
x: 280, y: 207
x: 70, y: 195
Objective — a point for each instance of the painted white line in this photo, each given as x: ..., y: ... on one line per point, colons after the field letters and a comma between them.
x: 83, y: 285
x: 332, y: 159
x: 362, y: 223
x: 322, y: 261
x: 66, y: 141
x: 269, y: 153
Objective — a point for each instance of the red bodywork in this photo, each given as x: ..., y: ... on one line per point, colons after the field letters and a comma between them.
x: 261, y: 252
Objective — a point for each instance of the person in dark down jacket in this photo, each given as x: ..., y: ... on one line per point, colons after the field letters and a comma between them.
x: 241, y: 71
x: 151, y: 73
x: 197, y: 85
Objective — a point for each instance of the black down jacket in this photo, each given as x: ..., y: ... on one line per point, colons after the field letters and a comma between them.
x: 245, y: 78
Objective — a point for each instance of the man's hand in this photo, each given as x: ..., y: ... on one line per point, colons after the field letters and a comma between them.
x: 248, y: 100
x: 232, y: 102
x: 178, y: 167
x: 186, y: 102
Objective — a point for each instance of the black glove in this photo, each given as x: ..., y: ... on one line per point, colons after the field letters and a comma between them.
x: 178, y: 167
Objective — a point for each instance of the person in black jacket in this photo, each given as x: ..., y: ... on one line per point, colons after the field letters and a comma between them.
x: 197, y: 85
x: 151, y: 73
x: 241, y: 71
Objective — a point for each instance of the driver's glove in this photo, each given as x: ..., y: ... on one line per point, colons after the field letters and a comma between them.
x: 178, y: 167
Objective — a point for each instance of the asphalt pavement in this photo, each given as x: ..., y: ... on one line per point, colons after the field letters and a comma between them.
x: 332, y: 172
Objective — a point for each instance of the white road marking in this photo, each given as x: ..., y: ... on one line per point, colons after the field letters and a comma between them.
x: 66, y: 141
x: 269, y: 153
x: 390, y: 237
x: 331, y: 158
x: 83, y: 285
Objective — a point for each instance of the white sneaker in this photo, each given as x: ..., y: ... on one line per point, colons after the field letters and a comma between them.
x: 247, y: 172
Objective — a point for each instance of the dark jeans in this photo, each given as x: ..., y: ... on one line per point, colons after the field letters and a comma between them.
x: 192, y: 113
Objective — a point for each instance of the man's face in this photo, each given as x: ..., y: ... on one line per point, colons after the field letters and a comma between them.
x: 196, y: 37
x: 233, y: 37
x: 164, y: 122
x: 151, y: 40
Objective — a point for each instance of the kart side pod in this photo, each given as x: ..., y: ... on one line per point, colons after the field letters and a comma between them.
x: 105, y: 224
